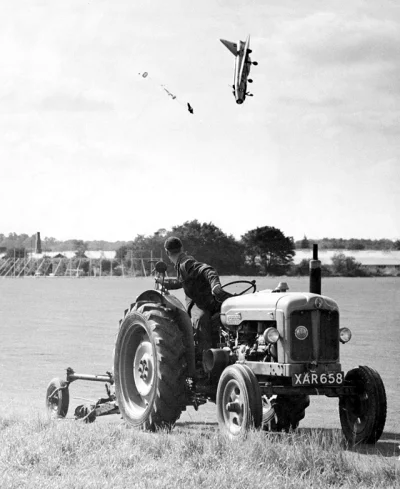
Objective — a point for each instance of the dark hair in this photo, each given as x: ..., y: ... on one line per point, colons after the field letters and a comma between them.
x: 173, y: 244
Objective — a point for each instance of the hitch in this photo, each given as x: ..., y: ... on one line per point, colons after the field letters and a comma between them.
x: 57, y: 397
x: 72, y: 376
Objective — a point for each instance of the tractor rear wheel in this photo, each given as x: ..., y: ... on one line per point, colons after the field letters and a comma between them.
x: 57, y: 398
x: 239, y: 404
x: 289, y: 410
x: 149, y: 369
x: 363, y: 415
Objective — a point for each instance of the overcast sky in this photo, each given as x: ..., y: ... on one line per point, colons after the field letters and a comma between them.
x: 89, y: 149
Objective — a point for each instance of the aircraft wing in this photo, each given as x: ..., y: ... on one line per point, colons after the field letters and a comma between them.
x: 232, y: 46
x: 243, y: 60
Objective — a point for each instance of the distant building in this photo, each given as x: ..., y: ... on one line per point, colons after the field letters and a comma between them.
x: 373, y: 260
x: 91, y: 255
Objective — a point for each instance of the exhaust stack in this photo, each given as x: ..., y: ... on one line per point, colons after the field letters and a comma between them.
x: 38, y: 247
x: 315, y: 272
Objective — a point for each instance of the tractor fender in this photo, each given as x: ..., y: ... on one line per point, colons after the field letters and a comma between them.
x: 183, y: 321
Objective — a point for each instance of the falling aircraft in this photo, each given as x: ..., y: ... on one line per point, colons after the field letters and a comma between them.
x: 241, y: 50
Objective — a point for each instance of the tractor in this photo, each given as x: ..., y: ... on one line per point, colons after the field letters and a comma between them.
x: 272, y: 350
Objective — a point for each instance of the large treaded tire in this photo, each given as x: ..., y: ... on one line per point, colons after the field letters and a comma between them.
x: 289, y: 410
x: 57, y: 398
x: 149, y: 368
x: 363, y: 416
x: 239, y: 403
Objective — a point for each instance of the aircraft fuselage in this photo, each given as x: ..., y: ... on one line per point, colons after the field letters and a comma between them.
x: 241, y: 51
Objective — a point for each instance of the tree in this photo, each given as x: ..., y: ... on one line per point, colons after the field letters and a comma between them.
x: 15, y: 253
x: 355, y: 244
x: 270, y: 247
x: 303, y: 268
x: 79, y: 246
x: 305, y: 244
x: 346, y: 266
x: 211, y: 245
x: 122, y: 252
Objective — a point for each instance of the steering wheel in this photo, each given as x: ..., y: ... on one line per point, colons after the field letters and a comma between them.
x: 252, y: 286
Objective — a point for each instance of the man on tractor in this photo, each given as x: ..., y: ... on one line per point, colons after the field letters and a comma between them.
x: 203, y: 292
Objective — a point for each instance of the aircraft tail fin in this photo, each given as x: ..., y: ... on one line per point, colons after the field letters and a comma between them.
x: 232, y: 46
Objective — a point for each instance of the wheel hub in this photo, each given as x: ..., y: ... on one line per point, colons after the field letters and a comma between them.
x: 233, y: 404
x: 143, y: 368
x: 233, y: 407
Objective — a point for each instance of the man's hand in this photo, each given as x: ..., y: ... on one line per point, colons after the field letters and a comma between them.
x: 219, y: 293
x: 169, y: 283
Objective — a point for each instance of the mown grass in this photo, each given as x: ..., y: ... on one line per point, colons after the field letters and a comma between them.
x: 37, y: 453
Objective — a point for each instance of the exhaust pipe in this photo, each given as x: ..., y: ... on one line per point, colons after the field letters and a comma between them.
x: 315, y: 272
x: 215, y: 360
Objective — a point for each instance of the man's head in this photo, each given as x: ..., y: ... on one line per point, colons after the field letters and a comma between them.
x: 173, y: 246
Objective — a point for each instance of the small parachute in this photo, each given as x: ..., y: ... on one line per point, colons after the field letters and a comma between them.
x: 168, y: 92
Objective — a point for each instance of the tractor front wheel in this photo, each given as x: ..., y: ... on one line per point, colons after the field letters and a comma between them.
x: 363, y: 415
x: 239, y: 404
x: 149, y: 369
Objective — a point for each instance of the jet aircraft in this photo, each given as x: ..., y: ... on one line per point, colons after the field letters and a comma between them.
x: 241, y: 50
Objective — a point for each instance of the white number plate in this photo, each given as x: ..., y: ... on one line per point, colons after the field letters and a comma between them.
x: 312, y: 378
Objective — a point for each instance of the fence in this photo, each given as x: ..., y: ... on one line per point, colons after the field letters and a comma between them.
x: 76, y: 267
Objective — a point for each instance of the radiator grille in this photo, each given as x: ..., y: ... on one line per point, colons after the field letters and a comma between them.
x: 329, y: 336
x: 321, y: 324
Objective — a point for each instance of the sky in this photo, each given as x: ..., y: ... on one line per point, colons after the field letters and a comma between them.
x: 89, y: 149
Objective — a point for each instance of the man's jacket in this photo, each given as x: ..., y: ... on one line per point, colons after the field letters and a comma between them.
x: 197, y: 279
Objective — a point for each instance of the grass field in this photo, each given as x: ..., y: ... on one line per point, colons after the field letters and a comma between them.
x: 47, y: 325
x: 71, y: 455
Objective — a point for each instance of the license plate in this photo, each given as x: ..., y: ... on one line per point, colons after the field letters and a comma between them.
x: 312, y: 378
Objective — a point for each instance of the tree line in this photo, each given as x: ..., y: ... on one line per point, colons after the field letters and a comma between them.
x: 263, y: 250
x: 349, y: 244
x: 27, y: 242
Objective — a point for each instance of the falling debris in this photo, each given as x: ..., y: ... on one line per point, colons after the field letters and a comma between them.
x: 169, y: 93
x: 166, y: 90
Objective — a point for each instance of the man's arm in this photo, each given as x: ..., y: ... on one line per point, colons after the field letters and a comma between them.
x: 170, y: 283
x: 194, y: 268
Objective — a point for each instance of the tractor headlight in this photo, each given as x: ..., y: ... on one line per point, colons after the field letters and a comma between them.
x: 271, y: 335
x: 344, y: 335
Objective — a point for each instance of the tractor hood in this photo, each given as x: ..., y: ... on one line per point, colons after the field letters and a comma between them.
x: 262, y: 305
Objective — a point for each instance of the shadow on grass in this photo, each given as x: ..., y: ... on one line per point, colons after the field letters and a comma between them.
x: 387, y: 445
x: 197, y: 426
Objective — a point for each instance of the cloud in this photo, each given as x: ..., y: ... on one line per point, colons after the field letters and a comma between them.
x: 328, y: 38
x: 74, y: 103
x: 385, y: 122
x: 328, y: 101
x: 342, y: 66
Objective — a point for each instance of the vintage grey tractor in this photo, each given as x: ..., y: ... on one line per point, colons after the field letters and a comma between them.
x: 273, y: 349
